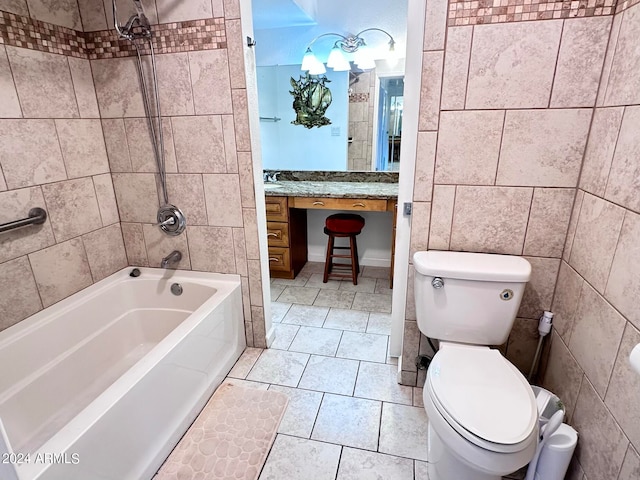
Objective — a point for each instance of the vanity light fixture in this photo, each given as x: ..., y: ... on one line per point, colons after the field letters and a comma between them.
x: 352, y: 44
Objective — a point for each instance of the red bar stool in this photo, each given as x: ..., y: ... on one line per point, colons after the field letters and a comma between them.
x: 343, y: 225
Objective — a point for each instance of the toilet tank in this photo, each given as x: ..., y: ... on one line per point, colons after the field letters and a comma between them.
x: 479, y: 297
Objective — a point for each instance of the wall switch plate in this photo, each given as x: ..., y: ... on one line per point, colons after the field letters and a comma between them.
x: 406, y: 209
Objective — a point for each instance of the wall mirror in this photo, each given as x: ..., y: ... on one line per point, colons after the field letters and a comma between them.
x: 365, y: 78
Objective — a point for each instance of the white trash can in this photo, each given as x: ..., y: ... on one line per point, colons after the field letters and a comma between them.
x: 556, y: 454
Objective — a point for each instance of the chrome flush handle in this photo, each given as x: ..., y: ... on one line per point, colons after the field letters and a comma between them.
x: 437, y: 283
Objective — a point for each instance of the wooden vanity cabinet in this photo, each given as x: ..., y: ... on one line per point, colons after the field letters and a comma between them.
x: 287, y: 237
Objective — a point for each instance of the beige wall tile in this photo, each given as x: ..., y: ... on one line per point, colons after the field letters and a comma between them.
x: 548, y: 222
x: 595, y: 241
x: 512, y: 64
x: 623, y: 87
x: 259, y: 331
x: 3, y: 184
x: 229, y: 134
x: 15, y: 6
x: 68, y: 257
x: 563, y: 375
x: 596, y: 335
x: 159, y: 245
x: 199, y: 144
x: 573, y: 223
x: 16, y: 204
x: 232, y: 8
x: 73, y: 207
x: 126, y: 8
x: 432, y: 66
x: 106, y: 199
x: 58, y: 12
x: 240, y: 250
x: 30, y: 153
x: 582, y: 51
x: 211, y: 249
x: 171, y: 11
x: 218, y: 8
x: 522, y: 344
x: 468, y: 147
x: 490, y: 219
x: 608, y: 59
x: 141, y: 149
x: 93, y: 15
x: 441, y: 216
x: 420, y: 220
x: 631, y: 465
x: 456, y: 67
x: 255, y: 283
x: 9, y: 104
x: 209, y: 74
x: 410, y: 346
x: 241, y: 120
x: 600, y: 149
x: 623, y: 186
x: 187, y: 193
x: 117, y: 88
x: 134, y: 244
x: 105, y: 251
x: 83, y: 148
x: 602, y: 444
x: 235, y: 51
x: 137, y: 196
x: 565, y: 301
x: 538, y: 293
x: 222, y: 194
x: 624, y: 388
x: 84, y: 88
x: 529, y: 158
x: 174, y: 84
x: 435, y: 25
x: 20, y: 297
x: 44, y: 84
x: 623, y: 286
x: 425, y: 160
x: 115, y: 139
x: 247, y: 187
x: 251, y: 233
x: 410, y: 306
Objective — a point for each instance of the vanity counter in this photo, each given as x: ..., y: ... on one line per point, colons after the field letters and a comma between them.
x: 320, y: 189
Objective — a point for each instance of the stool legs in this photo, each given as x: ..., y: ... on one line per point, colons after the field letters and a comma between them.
x: 353, y: 256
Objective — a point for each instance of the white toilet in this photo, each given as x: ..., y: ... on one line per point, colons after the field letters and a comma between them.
x: 483, y: 420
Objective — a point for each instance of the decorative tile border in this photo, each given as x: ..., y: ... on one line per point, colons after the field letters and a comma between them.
x: 623, y: 5
x: 25, y: 32
x: 177, y: 37
x: 358, y: 97
x: 477, y: 12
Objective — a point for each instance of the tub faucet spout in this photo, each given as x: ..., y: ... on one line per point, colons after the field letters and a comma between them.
x: 173, y: 257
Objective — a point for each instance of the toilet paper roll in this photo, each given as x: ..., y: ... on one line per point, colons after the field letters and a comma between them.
x: 634, y: 358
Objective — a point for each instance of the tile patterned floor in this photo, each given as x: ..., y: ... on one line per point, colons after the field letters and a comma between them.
x: 347, y: 418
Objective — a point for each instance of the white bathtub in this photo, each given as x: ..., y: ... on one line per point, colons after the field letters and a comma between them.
x: 103, y: 384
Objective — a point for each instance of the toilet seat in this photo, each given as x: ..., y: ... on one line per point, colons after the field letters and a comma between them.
x: 483, y: 397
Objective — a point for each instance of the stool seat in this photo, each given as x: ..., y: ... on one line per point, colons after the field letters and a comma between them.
x: 343, y: 225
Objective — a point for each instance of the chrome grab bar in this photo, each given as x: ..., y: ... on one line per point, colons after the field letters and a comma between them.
x: 36, y: 216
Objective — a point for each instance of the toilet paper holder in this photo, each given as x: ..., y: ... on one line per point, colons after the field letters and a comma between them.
x: 634, y: 358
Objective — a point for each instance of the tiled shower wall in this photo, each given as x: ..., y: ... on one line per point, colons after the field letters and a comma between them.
x: 361, y: 95
x: 597, y: 302
x: 52, y: 155
x: 505, y: 111
x: 207, y: 148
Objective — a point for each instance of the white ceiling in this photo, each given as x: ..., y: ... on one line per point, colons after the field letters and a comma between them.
x: 283, y: 28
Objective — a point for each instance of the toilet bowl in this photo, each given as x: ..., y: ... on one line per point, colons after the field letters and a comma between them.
x: 482, y: 415
x: 483, y: 418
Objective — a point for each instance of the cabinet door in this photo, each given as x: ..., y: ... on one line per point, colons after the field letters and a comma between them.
x: 277, y: 209
x: 279, y: 259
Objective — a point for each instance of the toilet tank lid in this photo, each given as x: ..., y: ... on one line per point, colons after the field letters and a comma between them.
x: 472, y: 266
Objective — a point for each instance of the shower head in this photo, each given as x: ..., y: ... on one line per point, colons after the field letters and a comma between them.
x: 138, y: 19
